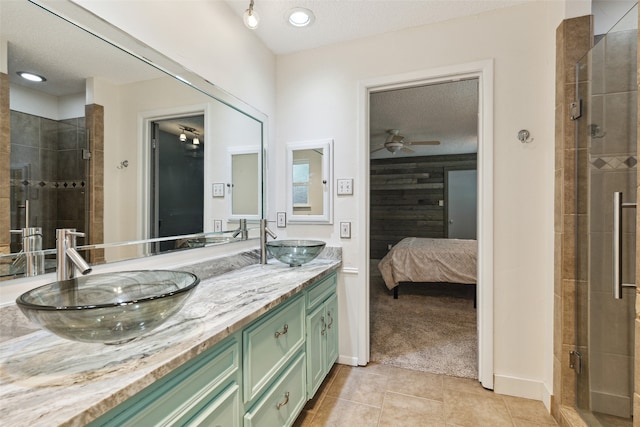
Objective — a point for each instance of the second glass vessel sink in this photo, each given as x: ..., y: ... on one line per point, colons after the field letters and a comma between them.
x: 295, y: 252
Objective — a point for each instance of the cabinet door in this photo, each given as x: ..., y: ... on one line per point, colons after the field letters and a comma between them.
x: 283, y: 401
x: 316, y: 349
x: 332, y: 331
x: 224, y: 411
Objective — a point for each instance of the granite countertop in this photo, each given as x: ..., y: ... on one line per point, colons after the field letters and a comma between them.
x: 48, y: 381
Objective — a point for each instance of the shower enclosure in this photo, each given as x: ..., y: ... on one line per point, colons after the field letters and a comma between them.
x: 606, y: 117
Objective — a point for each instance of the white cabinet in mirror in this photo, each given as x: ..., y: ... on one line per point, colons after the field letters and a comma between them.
x: 309, y: 182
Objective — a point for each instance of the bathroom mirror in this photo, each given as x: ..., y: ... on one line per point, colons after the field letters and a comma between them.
x: 309, y: 182
x: 83, y: 144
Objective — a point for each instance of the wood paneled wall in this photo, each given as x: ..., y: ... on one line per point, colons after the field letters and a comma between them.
x: 404, y: 198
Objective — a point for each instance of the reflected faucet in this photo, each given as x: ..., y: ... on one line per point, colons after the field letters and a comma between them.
x: 30, y: 260
x: 67, y: 257
x: 264, y: 230
x: 242, y: 230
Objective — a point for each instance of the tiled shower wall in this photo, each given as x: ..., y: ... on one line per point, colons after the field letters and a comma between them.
x: 5, y: 150
x: 48, y: 170
x: 573, y: 41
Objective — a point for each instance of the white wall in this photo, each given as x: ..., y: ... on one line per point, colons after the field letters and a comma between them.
x: 317, y: 98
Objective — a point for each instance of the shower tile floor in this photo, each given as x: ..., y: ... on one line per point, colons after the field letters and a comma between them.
x: 380, y: 395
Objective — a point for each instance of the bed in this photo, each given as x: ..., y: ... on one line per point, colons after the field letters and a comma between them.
x: 425, y: 260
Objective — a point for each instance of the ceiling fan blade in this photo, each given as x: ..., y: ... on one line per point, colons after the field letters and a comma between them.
x: 407, y: 150
x: 377, y: 149
x: 423, y: 143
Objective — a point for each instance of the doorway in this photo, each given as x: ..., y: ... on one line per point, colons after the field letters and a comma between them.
x: 483, y: 70
x: 176, y: 178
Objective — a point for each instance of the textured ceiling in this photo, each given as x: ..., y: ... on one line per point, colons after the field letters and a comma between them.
x: 54, y: 50
x: 342, y: 20
x: 445, y: 112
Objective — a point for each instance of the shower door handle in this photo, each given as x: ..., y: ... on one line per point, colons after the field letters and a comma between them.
x: 618, y: 205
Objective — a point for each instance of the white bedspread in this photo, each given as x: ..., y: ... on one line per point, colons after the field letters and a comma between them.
x: 416, y: 259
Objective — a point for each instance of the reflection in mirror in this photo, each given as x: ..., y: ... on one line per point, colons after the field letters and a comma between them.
x: 245, y: 183
x: 97, y: 145
x: 309, y: 182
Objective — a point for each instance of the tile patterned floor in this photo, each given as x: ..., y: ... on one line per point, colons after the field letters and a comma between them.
x: 379, y: 395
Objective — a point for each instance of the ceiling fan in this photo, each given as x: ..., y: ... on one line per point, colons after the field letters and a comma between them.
x: 396, y: 142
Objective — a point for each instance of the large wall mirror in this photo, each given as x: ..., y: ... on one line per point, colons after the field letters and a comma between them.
x: 118, y: 142
x: 309, y: 182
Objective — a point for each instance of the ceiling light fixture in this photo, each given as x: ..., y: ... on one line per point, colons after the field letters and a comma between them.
x: 300, y: 17
x: 196, y: 140
x: 183, y: 137
x: 32, y: 77
x: 251, y: 18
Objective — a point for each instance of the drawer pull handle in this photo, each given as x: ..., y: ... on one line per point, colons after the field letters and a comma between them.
x: 324, y: 326
x: 286, y: 400
x: 284, y: 331
x: 330, y: 320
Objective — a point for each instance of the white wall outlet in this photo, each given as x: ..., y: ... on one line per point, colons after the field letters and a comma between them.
x: 218, y: 190
x: 217, y: 226
x: 345, y: 230
x: 281, y: 219
x: 440, y: 202
x: 345, y: 186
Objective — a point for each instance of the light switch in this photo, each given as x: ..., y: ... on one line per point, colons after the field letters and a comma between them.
x: 345, y: 186
x: 345, y: 230
x: 217, y: 226
x: 218, y: 190
x: 281, y: 219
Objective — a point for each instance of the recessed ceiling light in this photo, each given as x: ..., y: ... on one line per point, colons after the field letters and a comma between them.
x: 300, y: 17
x: 31, y: 76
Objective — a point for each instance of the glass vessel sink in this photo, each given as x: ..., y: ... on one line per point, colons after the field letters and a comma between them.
x: 110, y: 308
x: 295, y: 252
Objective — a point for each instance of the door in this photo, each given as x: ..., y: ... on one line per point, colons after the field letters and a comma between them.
x: 462, y: 202
x: 177, y: 180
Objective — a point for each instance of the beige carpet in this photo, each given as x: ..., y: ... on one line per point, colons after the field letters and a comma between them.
x: 430, y: 328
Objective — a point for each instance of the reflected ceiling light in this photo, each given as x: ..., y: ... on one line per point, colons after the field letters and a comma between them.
x: 300, y: 17
x: 183, y: 137
x: 31, y: 76
x: 196, y: 140
x: 251, y: 18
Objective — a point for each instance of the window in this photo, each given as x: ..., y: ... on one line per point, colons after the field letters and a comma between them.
x: 301, y: 183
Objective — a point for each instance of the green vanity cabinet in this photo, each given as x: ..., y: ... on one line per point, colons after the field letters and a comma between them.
x: 261, y: 376
x: 205, y: 391
x: 322, y: 332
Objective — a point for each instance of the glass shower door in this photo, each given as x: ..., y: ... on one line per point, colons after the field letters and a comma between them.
x: 605, y: 253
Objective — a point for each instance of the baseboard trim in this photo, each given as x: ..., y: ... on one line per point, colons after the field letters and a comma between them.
x: 521, y: 387
x: 347, y: 360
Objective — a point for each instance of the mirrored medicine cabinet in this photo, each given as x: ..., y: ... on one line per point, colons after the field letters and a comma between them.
x: 104, y: 144
x: 309, y: 182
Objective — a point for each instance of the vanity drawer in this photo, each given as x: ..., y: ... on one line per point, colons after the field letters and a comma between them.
x: 321, y: 291
x: 187, y: 391
x: 284, y: 401
x: 269, y: 344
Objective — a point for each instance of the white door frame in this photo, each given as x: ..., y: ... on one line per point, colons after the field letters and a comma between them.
x: 483, y: 70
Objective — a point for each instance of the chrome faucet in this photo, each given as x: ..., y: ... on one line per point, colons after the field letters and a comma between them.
x: 67, y: 257
x: 242, y: 230
x: 264, y: 230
